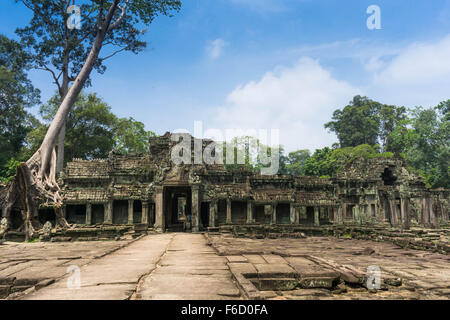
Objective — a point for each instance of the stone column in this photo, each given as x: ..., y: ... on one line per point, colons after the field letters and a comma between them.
x: 344, y: 212
x: 249, y: 212
x: 229, y: 221
x: 88, y: 214
x: 144, y: 219
x: 212, y: 213
x: 160, y: 223
x: 274, y: 212
x: 404, y: 207
x: 109, y: 212
x: 130, y: 211
x: 292, y: 214
x: 297, y: 215
x: 444, y: 212
x: 340, y: 214
x: 433, y: 217
x: 316, y: 216
x: 195, y: 208
x: 394, y: 213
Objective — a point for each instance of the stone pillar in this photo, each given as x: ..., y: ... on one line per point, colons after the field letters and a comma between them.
x: 212, y: 213
x: 356, y: 214
x: 88, y: 214
x: 394, y: 213
x: 316, y: 216
x: 144, y: 219
x: 160, y: 223
x: 344, y: 212
x: 292, y: 214
x: 404, y: 207
x: 297, y: 215
x: 130, y: 211
x: 249, y: 212
x: 109, y: 212
x: 341, y: 214
x: 195, y: 208
x: 432, y: 214
x: 335, y: 214
x: 229, y: 221
x: 444, y: 210
x: 274, y: 212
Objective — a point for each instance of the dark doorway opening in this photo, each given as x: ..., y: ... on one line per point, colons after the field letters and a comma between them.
x: 388, y: 177
x: 137, y: 211
x: 238, y: 212
x: 310, y: 215
x: 222, y: 212
x: 177, y: 208
x: 349, y: 212
x: 98, y: 213
x: 283, y: 213
x: 204, y: 214
x: 120, y: 212
x: 45, y: 215
x: 260, y: 215
x: 16, y: 219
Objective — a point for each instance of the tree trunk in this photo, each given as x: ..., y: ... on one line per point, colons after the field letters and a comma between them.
x: 35, y: 183
x: 60, y: 155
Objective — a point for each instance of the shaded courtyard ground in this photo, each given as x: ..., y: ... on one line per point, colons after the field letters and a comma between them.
x: 218, y: 266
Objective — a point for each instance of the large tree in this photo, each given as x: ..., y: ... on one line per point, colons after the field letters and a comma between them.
x: 296, y: 162
x: 357, y: 123
x: 424, y: 138
x: 104, y: 22
x: 365, y: 121
x: 62, y: 48
x: 16, y: 95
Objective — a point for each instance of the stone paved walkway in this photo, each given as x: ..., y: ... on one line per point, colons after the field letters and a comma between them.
x: 166, y: 266
x: 189, y: 270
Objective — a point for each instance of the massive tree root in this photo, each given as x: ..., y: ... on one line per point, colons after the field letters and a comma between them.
x: 31, y: 188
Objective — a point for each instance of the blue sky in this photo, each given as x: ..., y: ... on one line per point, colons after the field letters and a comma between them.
x: 264, y: 64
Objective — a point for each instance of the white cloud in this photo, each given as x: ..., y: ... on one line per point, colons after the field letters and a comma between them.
x: 215, y: 48
x: 296, y: 100
x: 299, y: 99
x: 418, y: 75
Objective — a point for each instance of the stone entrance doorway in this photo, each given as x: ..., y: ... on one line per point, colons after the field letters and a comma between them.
x: 178, y: 209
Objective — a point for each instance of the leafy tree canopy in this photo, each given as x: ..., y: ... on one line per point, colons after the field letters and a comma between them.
x: 92, y: 130
x: 16, y: 94
x: 365, y: 121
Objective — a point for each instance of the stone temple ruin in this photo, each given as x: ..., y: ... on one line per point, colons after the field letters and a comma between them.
x: 144, y: 192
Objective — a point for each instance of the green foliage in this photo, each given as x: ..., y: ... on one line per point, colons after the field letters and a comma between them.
x: 356, y: 124
x: 424, y: 139
x: 296, y: 160
x: 319, y: 163
x: 130, y: 136
x: 9, y: 170
x: 16, y: 94
x: 92, y: 130
x: 365, y: 121
x: 328, y: 162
